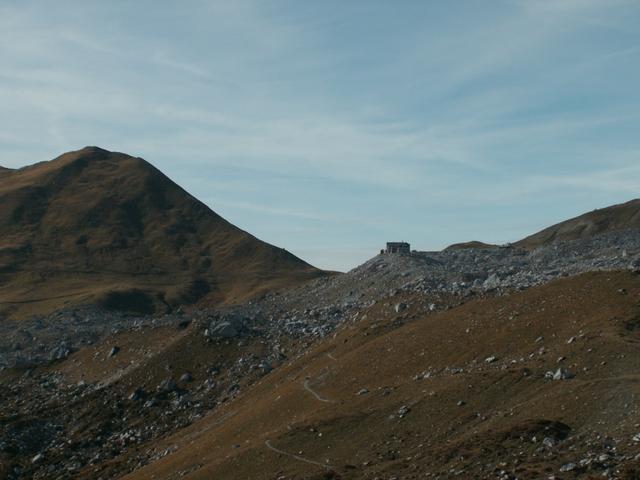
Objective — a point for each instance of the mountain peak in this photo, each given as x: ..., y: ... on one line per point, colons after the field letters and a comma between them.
x: 91, y: 154
x: 93, y: 222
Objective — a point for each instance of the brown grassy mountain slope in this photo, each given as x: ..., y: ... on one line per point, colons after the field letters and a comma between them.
x: 359, y: 405
x: 617, y: 217
x: 94, y: 225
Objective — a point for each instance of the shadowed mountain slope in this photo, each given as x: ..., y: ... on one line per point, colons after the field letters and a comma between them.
x: 98, y: 226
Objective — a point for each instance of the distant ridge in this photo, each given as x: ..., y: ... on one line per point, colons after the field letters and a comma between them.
x: 616, y: 217
x: 94, y: 226
x: 623, y: 216
x: 472, y: 244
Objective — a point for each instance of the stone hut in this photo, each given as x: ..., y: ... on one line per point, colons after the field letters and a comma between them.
x: 398, y: 247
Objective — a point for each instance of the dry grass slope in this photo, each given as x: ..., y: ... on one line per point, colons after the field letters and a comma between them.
x: 352, y: 408
x: 617, y: 217
x: 97, y: 226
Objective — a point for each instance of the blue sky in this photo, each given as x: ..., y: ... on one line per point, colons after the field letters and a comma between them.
x: 331, y: 127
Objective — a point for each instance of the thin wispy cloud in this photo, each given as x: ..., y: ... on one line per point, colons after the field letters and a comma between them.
x: 329, y: 126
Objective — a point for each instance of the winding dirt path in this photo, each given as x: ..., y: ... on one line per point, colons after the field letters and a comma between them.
x: 318, y: 397
x: 297, y: 457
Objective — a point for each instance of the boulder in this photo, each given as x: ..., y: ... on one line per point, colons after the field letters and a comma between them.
x: 59, y: 353
x: 224, y: 328
x: 167, y: 386
x: 562, y: 374
x: 136, y: 395
x: 568, y: 467
x: 400, y: 307
x: 492, y: 282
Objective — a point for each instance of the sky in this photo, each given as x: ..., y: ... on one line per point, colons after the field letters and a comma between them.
x: 331, y: 127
